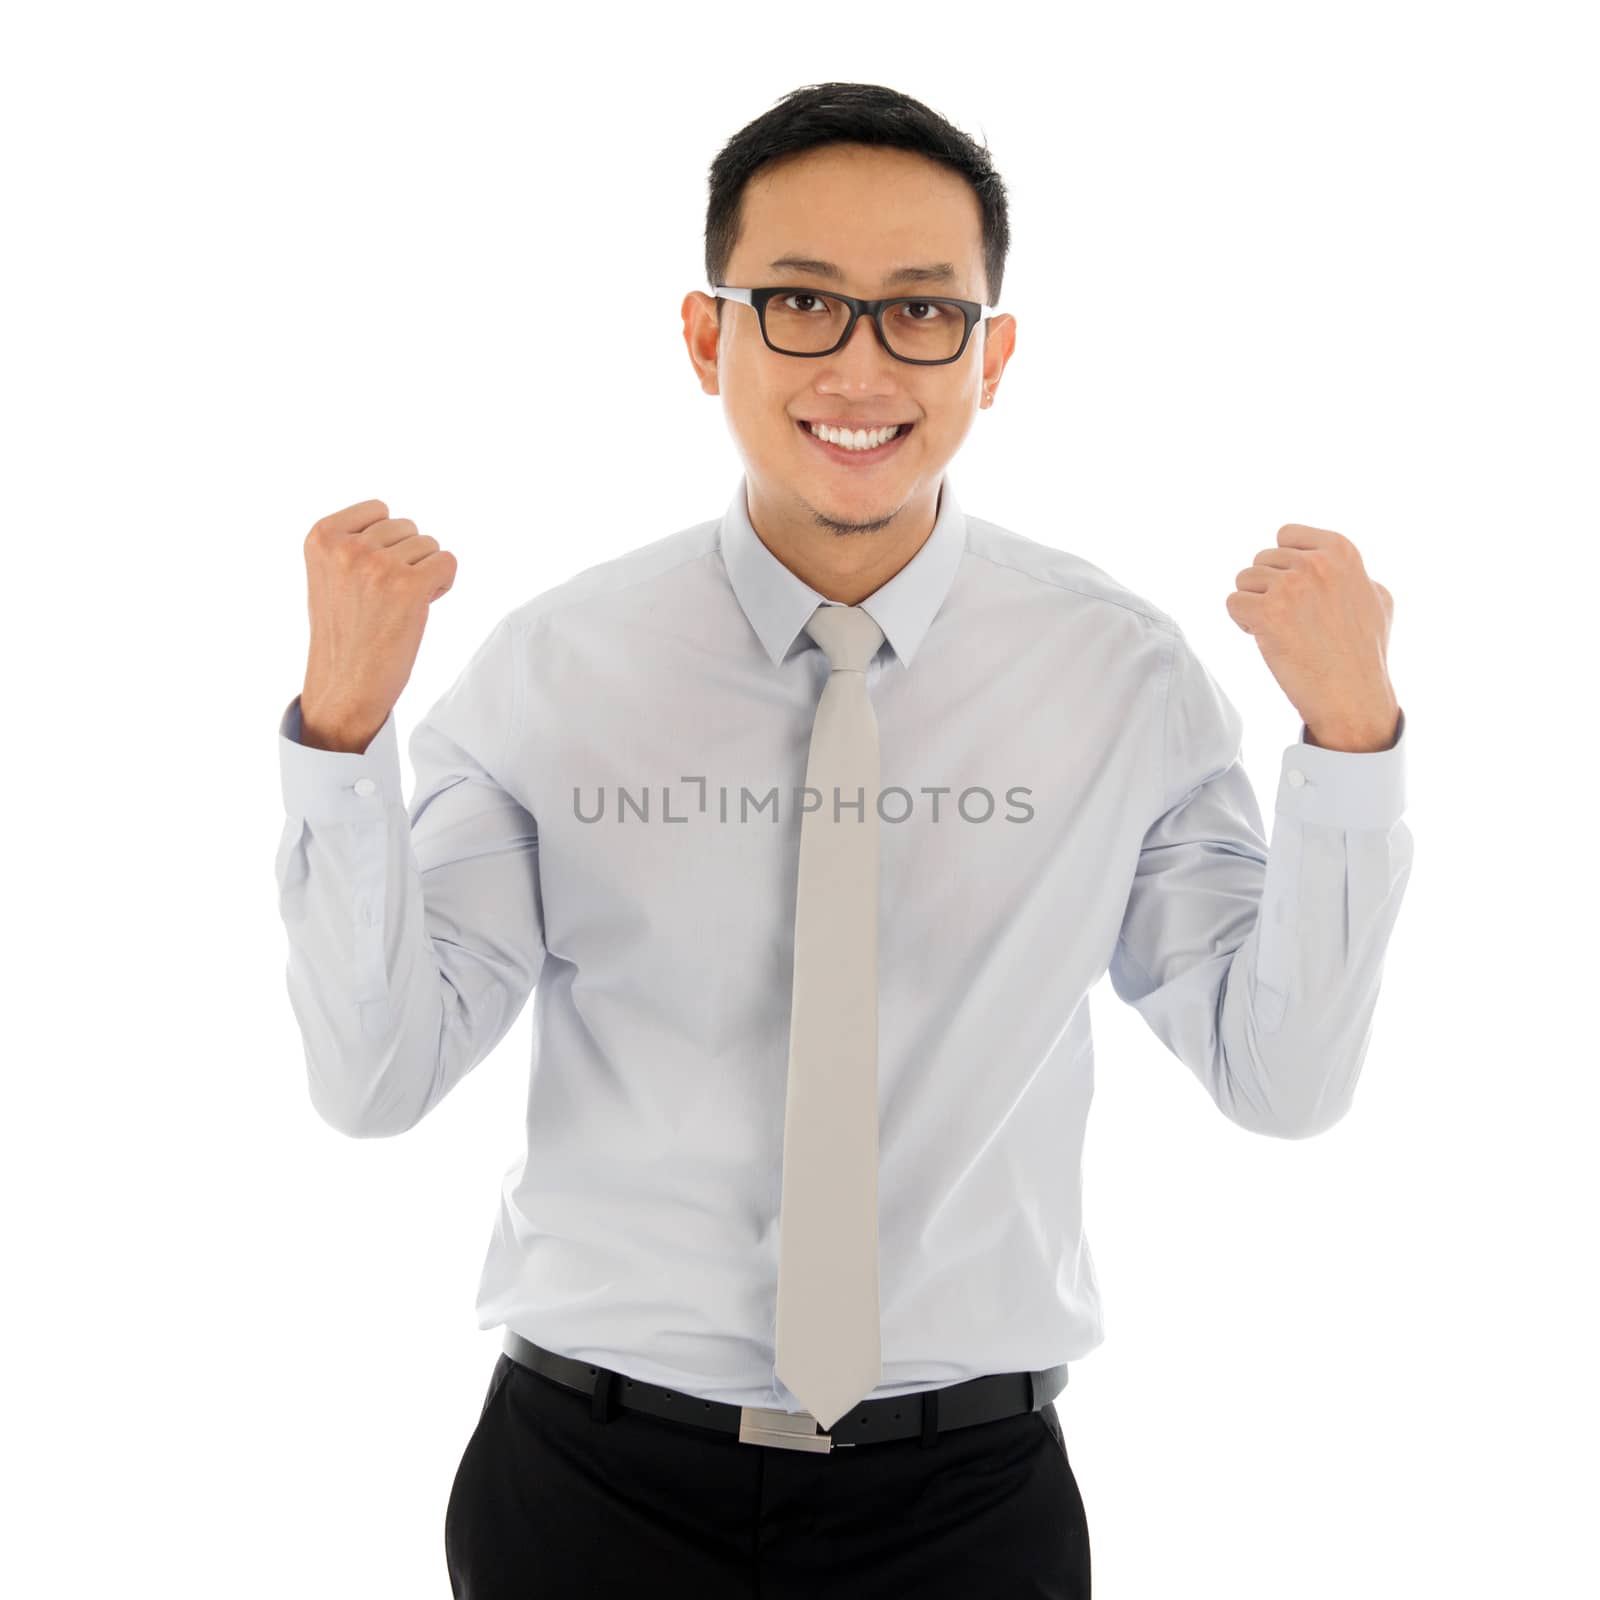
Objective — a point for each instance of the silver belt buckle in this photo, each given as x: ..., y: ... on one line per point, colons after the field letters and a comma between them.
x: 789, y: 1430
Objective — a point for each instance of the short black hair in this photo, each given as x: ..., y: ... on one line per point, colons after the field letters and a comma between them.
x: 849, y: 113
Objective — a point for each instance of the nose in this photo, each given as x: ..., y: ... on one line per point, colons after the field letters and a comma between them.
x: 862, y: 363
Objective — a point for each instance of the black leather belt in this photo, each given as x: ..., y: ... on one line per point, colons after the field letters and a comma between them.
x: 924, y: 1413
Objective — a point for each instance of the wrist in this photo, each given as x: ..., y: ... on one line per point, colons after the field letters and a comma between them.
x: 326, y: 728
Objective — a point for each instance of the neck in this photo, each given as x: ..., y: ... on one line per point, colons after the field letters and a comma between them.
x: 844, y: 560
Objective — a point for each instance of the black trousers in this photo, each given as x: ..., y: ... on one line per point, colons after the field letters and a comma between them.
x: 549, y: 1502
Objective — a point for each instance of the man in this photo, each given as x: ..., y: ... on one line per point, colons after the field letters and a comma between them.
x: 810, y: 827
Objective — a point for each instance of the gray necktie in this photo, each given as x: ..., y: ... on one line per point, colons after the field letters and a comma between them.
x: 828, y: 1322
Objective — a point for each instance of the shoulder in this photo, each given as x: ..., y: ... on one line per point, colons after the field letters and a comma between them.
x: 1014, y: 559
x: 621, y: 583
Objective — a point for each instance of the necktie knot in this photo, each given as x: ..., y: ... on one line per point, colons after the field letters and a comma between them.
x: 847, y: 635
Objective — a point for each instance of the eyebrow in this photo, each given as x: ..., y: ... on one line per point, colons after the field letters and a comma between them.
x: 934, y: 272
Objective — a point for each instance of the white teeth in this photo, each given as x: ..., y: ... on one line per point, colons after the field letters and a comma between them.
x: 861, y: 439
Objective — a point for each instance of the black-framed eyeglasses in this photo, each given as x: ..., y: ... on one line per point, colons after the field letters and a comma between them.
x: 927, y: 331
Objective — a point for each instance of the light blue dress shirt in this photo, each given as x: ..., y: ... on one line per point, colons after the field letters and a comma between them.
x: 607, y: 815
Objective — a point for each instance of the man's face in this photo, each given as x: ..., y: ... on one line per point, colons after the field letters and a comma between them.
x: 869, y: 211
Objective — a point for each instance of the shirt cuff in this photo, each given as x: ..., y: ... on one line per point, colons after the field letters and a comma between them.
x: 1344, y: 788
x: 337, y: 785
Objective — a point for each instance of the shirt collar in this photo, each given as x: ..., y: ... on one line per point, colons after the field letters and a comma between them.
x: 779, y: 604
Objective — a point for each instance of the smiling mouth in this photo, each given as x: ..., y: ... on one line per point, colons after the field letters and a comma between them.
x: 843, y: 454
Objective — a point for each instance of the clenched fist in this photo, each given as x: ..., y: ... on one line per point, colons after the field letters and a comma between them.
x: 370, y: 579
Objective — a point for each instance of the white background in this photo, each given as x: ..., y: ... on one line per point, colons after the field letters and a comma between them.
x: 1270, y: 263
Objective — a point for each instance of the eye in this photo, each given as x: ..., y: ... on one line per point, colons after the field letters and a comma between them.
x: 923, y: 305
x: 799, y: 295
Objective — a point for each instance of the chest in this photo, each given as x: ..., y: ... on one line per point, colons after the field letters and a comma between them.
x: 670, y: 802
